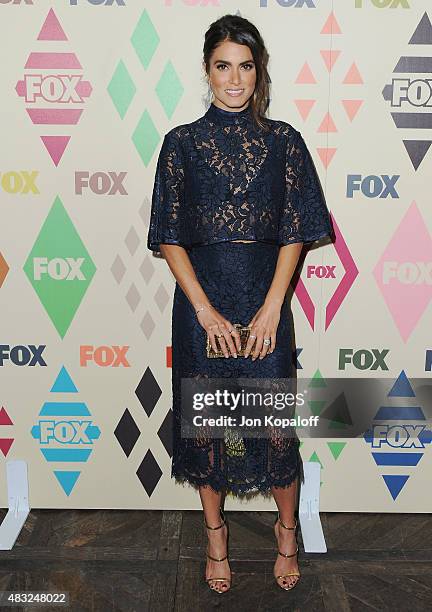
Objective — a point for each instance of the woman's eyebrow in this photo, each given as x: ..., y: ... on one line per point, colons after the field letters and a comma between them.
x: 240, y: 64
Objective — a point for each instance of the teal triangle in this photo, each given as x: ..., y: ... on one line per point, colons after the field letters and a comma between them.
x: 64, y: 383
x: 395, y: 483
x: 402, y: 387
x: 67, y: 480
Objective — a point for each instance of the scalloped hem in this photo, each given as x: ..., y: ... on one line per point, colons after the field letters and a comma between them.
x: 245, y: 490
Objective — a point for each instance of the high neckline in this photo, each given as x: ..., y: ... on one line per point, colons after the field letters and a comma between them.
x: 226, y: 117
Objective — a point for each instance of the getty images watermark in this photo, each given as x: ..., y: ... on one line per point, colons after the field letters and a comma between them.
x: 312, y: 407
x: 238, y: 403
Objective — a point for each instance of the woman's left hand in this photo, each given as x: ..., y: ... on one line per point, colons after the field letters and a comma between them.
x: 263, y: 325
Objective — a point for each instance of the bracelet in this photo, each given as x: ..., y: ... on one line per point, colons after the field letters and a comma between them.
x: 199, y: 309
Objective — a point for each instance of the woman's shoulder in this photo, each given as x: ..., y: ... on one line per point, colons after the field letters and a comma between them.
x: 178, y: 132
x: 283, y: 128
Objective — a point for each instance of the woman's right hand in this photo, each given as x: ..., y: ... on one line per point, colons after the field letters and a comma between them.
x: 215, y: 324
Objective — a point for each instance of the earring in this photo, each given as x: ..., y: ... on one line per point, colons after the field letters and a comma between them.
x: 209, y: 95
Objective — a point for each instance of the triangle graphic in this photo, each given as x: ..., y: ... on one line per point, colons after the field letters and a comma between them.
x: 304, y: 107
x: 67, y: 480
x: 423, y: 32
x: 417, y: 150
x: 317, y: 380
x: 327, y: 124
x: 331, y: 26
x: 314, y: 457
x: 330, y: 57
x: 4, y: 417
x: 316, y: 406
x: 5, y: 444
x: 395, y: 483
x: 305, y: 76
x: 337, y: 413
x: 353, y: 76
x: 51, y: 29
x: 352, y: 107
x: 326, y: 155
x: 64, y: 383
x: 402, y: 387
x: 336, y: 448
x: 55, y: 145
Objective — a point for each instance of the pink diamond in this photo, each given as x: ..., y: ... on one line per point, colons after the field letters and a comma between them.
x: 404, y: 272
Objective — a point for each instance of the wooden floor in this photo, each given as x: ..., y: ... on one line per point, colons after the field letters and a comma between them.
x: 154, y: 560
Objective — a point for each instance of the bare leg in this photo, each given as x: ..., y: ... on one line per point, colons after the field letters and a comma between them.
x: 286, y: 501
x: 217, y: 538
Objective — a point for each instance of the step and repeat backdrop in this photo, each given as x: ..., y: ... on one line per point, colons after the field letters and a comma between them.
x: 88, y: 90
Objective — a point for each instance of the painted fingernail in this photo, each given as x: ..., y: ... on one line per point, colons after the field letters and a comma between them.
x: 235, y: 355
x: 246, y: 354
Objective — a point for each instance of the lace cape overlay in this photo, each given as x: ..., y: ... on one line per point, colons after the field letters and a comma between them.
x: 223, y: 178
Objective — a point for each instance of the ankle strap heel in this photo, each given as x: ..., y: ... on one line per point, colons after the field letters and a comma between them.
x: 283, y: 524
x: 297, y: 574
x: 219, y: 526
x: 216, y: 580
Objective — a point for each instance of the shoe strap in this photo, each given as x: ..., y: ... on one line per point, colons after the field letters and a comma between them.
x: 283, y: 524
x: 216, y: 559
x: 288, y: 556
x: 219, y: 526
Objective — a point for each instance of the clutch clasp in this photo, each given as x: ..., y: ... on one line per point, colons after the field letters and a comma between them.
x: 244, y: 331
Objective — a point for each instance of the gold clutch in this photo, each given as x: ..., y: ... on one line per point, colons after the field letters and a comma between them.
x: 244, y: 336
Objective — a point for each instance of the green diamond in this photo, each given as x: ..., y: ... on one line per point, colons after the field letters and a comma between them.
x: 121, y: 89
x: 169, y: 89
x: 145, y: 39
x: 59, y: 267
x: 145, y: 138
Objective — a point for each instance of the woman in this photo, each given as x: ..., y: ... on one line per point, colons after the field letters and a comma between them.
x: 235, y: 197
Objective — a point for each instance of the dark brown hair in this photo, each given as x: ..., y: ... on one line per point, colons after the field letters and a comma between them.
x: 236, y: 29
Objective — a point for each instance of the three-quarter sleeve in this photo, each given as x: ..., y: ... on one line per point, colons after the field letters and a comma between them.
x: 167, y: 224
x: 304, y: 215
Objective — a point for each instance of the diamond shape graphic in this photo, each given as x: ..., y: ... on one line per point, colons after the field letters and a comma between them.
x: 145, y: 137
x: 127, y: 432
x: 341, y: 291
x: 169, y: 89
x: 149, y: 473
x: 148, y: 391
x: 121, y: 89
x: 403, y: 272
x: 4, y: 269
x: 124, y: 84
x: 145, y: 39
x: 59, y: 267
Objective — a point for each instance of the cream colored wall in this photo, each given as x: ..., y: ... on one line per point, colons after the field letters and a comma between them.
x: 374, y: 38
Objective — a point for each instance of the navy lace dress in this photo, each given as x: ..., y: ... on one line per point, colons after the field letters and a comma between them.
x: 220, y: 180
